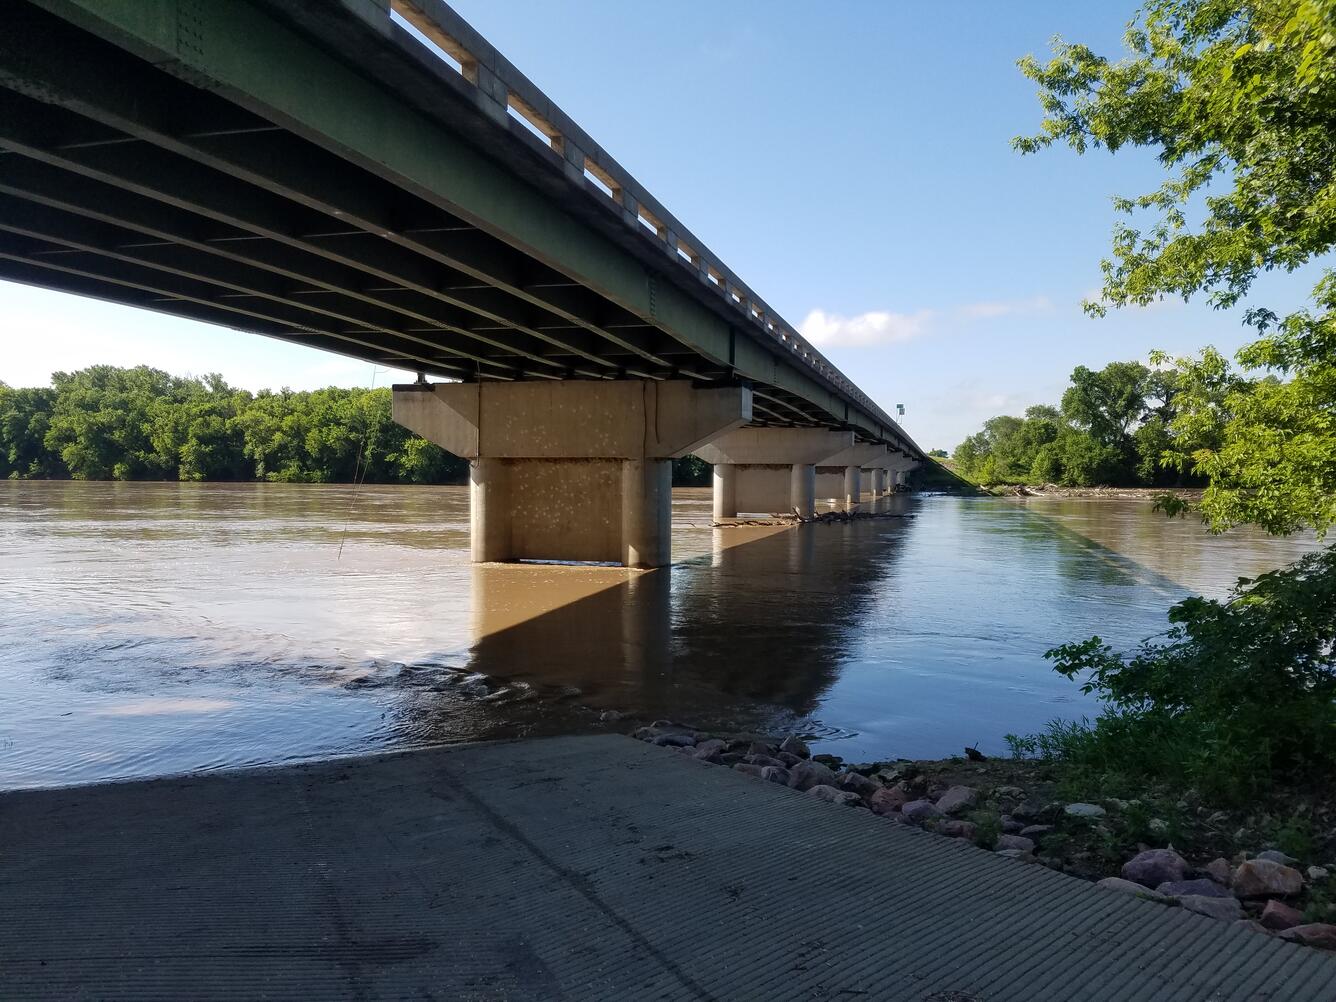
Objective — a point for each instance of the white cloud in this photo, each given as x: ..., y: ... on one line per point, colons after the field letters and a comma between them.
x: 833, y: 330
x: 877, y: 327
x: 1005, y: 307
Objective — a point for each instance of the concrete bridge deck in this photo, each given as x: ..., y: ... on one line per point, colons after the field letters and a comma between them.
x: 579, y: 868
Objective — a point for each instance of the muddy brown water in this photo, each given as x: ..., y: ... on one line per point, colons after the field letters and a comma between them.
x: 158, y: 628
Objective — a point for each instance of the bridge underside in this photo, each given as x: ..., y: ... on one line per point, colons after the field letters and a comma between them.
x: 306, y: 170
x: 121, y: 181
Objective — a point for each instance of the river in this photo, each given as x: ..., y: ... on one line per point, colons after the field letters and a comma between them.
x: 148, y: 629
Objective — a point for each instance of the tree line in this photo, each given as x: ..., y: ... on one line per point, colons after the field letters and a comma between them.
x: 141, y: 423
x: 1117, y: 426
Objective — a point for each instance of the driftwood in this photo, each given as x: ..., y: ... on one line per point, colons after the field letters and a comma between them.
x: 795, y: 518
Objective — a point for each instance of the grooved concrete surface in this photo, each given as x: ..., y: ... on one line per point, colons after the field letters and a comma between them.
x: 568, y: 868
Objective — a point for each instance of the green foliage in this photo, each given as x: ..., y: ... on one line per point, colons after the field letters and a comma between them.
x: 1236, y: 694
x: 1238, y: 100
x: 25, y: 417
x: 938, y: 453
x: 105, y: 423
x: 691, y: 471
x: 1113, y: 428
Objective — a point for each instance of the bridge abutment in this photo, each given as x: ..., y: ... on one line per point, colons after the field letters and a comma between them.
x: 572, y: 470
x: 769, y: 470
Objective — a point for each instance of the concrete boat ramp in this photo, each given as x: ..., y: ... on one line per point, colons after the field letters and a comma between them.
x: 566, y: 868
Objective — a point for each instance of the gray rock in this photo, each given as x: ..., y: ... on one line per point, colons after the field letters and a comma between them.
x: 1008, y: 792
x: 1010, y: 825
x: 1202, y: 887
x: 1317, y: 873
x: 920, y: 811
x: 674, y: 740
x: 1220, y: 871
x: 835, y: 796
x: 747, y: 769
x: 710, y: 750
x: 1015, y: 842
x: 1084, y: 811
x: 1017, y: 854
x: 788, y: 758
x: 1261, y: 878
x: 1131, y: 887
x: 795, y: 745
x: 1276, y: 856
x: 1225, y: 909
x: 855, y: 783
x: 761, y: 748
x: 1154, y: 866
x: 956, y: 799
x: 610, y: 716
x: 775, y: 774
x: 806, y: 775
x: 1034, y: 831
x: 763, y: 760
x: 953, y: 828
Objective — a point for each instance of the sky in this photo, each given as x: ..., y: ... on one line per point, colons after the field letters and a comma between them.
x: 850, y: 161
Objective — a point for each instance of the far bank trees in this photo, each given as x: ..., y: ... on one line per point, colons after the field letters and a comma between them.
x: 1115, y: 426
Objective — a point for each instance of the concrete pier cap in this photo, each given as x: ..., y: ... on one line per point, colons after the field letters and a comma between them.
x: 571, y: 470
x: 769, y: 469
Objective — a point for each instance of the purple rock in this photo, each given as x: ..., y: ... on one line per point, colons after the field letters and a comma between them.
x: 920, y: 810
x: 1202, y: 887
x: 1155, y: 866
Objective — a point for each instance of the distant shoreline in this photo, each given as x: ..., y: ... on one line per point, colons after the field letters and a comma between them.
x: 1105, y: 493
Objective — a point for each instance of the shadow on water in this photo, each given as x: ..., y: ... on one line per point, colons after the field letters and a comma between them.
x: 695, y: 640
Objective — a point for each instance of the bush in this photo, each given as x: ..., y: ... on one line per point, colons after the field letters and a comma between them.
x: 1237, y: 696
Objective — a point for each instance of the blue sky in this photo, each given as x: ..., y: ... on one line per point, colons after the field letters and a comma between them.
x: 852, y: 165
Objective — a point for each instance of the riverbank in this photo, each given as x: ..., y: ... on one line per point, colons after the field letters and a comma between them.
x: 1271, y: 867
x: 1189, y: 494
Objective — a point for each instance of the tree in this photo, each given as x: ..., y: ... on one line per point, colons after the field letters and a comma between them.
x: 102, y: 422
x: 1238, y: 96
x: 25, y: 418
x: 1107, y: 403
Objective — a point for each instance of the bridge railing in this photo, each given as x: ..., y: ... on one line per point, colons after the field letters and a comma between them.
x: 510, y: 99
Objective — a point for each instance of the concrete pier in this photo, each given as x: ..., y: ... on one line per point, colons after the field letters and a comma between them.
x: 840, y: 476
x: 877, y: 477
x: 773, y: 469
x: 574, y: 470
x: 567, y: 868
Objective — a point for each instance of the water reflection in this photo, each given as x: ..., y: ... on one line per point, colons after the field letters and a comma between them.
x: 159, y: 627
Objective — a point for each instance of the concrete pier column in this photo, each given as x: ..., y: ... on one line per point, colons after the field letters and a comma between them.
x: 647, y: 505
x: 769, y: 470
x: 725, y: 491
x: 489, y: 511
x: 853, y: 488
x: 574, y: 470
x: 898, y: 469
x: 878, y: 482
x: 802, y: 489
x: 840, y: 475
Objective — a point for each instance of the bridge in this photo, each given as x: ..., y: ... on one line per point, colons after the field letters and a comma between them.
x: 371, y: 177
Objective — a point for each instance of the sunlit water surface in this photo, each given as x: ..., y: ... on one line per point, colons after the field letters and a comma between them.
x: 158, y: 628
